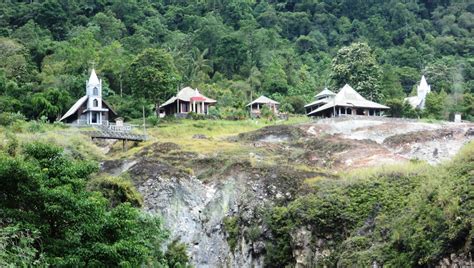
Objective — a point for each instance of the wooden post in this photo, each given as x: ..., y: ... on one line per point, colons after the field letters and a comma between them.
x: 123, y: 145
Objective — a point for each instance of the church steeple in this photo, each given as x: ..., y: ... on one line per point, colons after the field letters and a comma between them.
x: 423, y: 88
x: 94, y: 93
x: 93, y: 79
x: 94, y: 85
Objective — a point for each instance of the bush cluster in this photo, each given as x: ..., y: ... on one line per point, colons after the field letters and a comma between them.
x: 49, y: 218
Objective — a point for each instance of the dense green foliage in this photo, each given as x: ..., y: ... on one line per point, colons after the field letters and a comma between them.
x: 232, y: 51
x: 153, y: 76
x: 176, y: 255
x: 356, y: 65
x: 399, y: 218
x: 116, y: 190
x: 49, y: 218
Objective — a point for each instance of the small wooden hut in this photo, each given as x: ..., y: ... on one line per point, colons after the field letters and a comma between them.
x: 257, y: 104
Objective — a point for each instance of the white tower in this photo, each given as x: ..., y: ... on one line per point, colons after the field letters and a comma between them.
x: 422, y: 90
x: 94, y: 102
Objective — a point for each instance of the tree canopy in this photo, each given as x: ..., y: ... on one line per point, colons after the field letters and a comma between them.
x: 283, y: 49
x: 152, y: 75
x: 356, y: 65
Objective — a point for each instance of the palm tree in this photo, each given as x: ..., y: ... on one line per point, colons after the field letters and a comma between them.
x: 200, y: 67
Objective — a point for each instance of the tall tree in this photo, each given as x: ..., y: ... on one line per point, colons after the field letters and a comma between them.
x: 108, y: 27
x: 391, y: 86
x: 153, y: 75
x: 357, y: 66
x: 200, y: 68
x: 114, y: 60
x: 274, y: 79
x: 13, y: 59
x: 50, y: 103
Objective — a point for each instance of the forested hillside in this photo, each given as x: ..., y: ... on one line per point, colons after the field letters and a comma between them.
x: 233, y: 50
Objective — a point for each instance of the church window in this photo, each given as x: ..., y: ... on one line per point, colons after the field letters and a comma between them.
x: 95, y: 103
x: 95, y: 91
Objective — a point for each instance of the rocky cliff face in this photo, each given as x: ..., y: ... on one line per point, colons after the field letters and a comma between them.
x: 194, y: 210
x: 195, y: 193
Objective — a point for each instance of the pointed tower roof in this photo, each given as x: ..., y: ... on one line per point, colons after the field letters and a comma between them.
x: 424, y: 85
x: 347, y: 93
x: 326, y: 92
x: 93, y: 79
x: 423, y: 81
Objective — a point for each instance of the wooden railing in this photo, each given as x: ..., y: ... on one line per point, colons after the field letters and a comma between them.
x: 115, y: 128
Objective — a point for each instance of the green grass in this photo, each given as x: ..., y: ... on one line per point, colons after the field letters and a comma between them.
x: 217, y: 132
x: 214, y: 128
x: 405, y: 169
x: 71, y: 139
x: 180, y: 132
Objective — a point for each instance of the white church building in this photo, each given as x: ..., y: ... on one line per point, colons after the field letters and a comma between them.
x: 91, y: 109
x: 422, y: 90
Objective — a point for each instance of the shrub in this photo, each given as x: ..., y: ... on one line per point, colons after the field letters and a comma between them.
x: 196, y: 116
x: 396, y: 107
x: 17, y: 247
x: 153, y: 120
x: 401, y: 108
x: 394, y: 217
x: 266, y: 113
x: 117, y: 191
x: 7, y: 119
x: 231, y: 226
x: 169, y: 118
x: 297, y: 103
x: 231, y: 113
x: 176, y: 255
x: 59, y: 124
x: 287, y: 108
x: 214, y: 113
x: 12, y: 144
x: 35, y: 127
x: 253, y: 233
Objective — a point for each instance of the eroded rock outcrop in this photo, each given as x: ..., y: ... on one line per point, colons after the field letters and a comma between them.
x: 194, y: 209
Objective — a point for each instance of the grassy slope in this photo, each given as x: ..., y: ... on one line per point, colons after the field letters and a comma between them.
x: 71, y: 139
x: 181, y: 132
